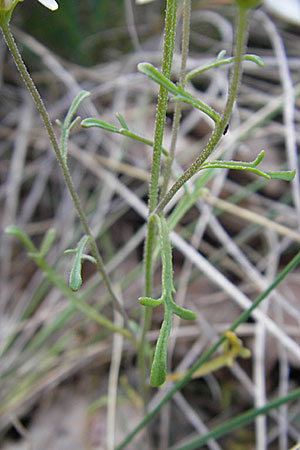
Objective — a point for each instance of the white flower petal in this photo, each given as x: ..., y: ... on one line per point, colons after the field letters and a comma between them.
x: 50, y: 4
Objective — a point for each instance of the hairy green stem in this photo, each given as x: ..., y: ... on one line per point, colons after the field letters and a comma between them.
x: 169, y: 36
x: 177, y: 112
x: 65, y: 171
x: 159, y: 365
x: 240, y: 42
x: 147, y: 312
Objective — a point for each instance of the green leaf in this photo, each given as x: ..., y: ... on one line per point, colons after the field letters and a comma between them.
x: 148, y: 301
x: 183, y: 313
x: 255, y: 58
x: 69, y: 123
x: 75, y: 280
x: 220, y: 61
x: 88, y: 123
x: 122, y: 121
x: 74, y: 106
x: 180, y: 94
x: 89, y: 258
x: 221, y: 55
x: 285, y: 175
x: 74, y: 122
x: 13, y: 230
x: 47, y: 242
x: 159, y: 365
x: 154, y: 74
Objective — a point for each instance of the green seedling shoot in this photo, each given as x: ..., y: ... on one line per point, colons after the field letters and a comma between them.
x: 159, y: 365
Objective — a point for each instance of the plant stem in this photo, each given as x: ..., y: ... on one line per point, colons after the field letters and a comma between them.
x: 65, y: 171
x: 177, y: 112
x: 203, y: 358
x: 240, y: 42
x: 147, y: 311
x: 169, y: 36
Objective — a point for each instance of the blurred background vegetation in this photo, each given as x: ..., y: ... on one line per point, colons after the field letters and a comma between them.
x: 75, y: 23
x: 82, y: 30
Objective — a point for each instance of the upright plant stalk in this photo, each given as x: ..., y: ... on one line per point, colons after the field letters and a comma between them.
x: 169, y: 36
x: 182, y: 80
x: 240, y: 43
x: 208, y: 353
x: 65, y: 171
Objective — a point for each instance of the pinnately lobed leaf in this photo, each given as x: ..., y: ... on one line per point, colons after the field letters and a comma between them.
x: 159, y: 365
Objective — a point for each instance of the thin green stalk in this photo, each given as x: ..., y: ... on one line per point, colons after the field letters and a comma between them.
x: 88, y: 123
x: 240, y: 42
x: 169, y: 36
x: 65, y: 171
x: 177, y: 112
x: 147, y: 312
x: 179, y: 385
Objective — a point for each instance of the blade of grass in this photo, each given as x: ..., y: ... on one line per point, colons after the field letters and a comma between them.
x: 240, y: 420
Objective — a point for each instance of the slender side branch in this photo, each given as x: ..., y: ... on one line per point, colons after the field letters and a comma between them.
x: 240, y: 41
x: 65, y: 171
